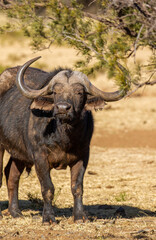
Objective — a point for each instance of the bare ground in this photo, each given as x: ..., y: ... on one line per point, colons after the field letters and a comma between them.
x: 120, y: 181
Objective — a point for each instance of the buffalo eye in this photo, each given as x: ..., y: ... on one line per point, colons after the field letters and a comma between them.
x: 79, y: 93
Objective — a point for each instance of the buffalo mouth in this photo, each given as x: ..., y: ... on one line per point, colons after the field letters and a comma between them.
x: 61, y: 115
x: 65, y: 117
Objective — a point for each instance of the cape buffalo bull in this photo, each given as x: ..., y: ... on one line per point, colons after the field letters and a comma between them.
x: 45, y: 120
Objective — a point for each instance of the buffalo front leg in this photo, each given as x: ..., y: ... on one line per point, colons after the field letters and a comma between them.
x: 47, y: 189
x: 13, y: 171
x: 77, y: 174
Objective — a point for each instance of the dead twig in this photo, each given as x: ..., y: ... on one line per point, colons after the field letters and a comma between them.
x: 136, y: 42
x: 139, y: 85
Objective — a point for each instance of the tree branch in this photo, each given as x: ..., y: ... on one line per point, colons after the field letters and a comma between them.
x: 140, y: 9
x: 78, y: 39
x: 136, y: 42
x: 143, y: 84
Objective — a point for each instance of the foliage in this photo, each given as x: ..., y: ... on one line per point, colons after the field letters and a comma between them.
x: 106, y: 37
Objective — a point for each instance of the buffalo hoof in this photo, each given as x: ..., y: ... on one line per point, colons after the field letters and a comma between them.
x: 80, y: 218
x: 48, y: 220
x: 15, y: 213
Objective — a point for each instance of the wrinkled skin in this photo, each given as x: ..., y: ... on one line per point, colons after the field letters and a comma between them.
x: 49, y: 132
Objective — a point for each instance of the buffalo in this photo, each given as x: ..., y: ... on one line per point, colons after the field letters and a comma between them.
x: 46, y: 121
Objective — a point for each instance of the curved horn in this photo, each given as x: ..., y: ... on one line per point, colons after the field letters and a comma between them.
x: 91, y: 89
x: 25, y: 90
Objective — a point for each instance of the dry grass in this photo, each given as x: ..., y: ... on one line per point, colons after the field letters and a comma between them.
x: 115, y: 177
x: 121, y: 171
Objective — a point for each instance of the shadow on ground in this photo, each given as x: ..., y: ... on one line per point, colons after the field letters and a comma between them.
x: 93, y: 211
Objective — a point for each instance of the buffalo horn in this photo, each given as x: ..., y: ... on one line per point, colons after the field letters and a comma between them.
x: 91, y: 89
x: 25, y: 90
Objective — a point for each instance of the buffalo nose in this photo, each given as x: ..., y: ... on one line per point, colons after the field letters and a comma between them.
x: 63, y: 107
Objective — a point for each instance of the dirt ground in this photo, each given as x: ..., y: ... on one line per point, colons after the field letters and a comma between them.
x: 120, y: 181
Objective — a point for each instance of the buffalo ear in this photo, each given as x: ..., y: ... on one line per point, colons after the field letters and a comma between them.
x: 42, y: 104
x: 94, y: 103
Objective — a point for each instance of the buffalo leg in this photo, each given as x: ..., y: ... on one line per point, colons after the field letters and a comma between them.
x: 47, y: 189
x: 13, y: 171
x: 77, y: 174
x: 1, y: 170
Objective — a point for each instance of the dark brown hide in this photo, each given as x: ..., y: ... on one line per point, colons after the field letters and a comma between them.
x: 49, y: 131
x: 41, y: 132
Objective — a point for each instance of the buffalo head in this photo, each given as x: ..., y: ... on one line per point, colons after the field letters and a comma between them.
x: 67, y: 93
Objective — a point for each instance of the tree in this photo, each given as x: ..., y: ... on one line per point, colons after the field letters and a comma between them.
x: 106, y: 33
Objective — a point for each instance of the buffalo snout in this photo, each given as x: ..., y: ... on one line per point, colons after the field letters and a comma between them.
x: 63, y: 107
